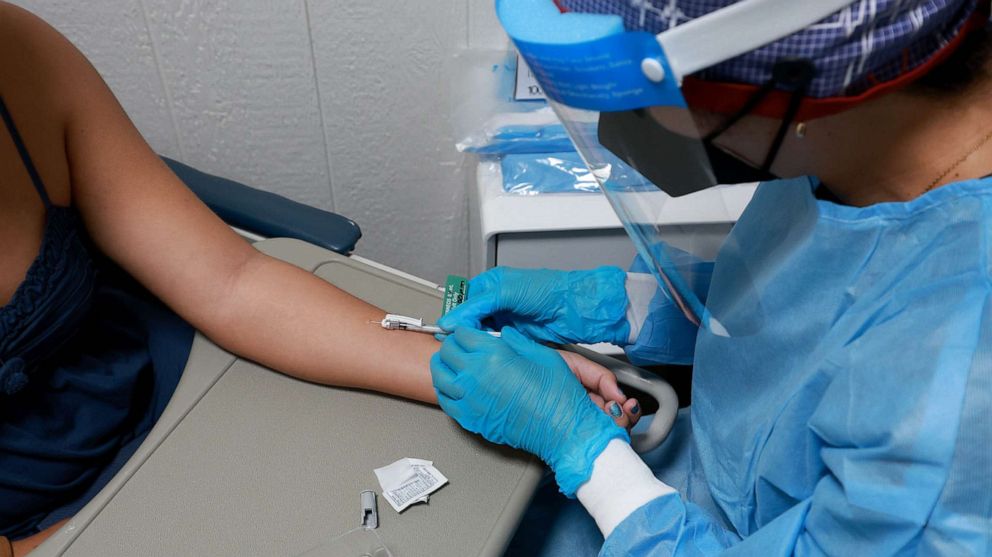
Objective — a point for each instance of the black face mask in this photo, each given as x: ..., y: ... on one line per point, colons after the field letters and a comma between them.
x: 728, y: 169
x: 636, y: 138
x: 791, y: 75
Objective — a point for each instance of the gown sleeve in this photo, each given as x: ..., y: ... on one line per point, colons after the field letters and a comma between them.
x: 903, y: 433
x: 666, y: 336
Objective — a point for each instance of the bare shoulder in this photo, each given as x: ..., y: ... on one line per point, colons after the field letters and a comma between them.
x: 40, y: 75
x: 35, y: 59
x: 26, y: 40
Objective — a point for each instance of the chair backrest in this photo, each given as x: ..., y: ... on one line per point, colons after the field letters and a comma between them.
x: 267, y: 214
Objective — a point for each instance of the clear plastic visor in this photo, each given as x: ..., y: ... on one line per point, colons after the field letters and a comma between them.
x: 654, y: 168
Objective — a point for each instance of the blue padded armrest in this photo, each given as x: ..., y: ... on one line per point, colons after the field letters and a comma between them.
x: 268, y: 214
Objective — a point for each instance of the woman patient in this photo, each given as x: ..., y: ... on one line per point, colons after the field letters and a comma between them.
x: 108, y: 265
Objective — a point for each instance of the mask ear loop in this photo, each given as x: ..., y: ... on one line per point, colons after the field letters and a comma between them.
x: 751, y: 104
x: 794, y: 74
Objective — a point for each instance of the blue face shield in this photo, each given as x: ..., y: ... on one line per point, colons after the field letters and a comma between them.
x: 618, y: 94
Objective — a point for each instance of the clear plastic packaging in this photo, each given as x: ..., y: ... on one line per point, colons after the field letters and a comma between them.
x: 487, y: 118
x: 542, y: 173
x: 534, y: 174
x: 360, y: 542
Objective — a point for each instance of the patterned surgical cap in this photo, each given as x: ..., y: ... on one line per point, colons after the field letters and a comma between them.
x: 862, y: 45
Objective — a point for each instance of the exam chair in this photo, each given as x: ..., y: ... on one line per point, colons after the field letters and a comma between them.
x: 258, y: 214
x: 245, y: 461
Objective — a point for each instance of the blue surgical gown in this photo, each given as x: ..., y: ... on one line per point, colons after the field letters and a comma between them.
x: 857, y: 420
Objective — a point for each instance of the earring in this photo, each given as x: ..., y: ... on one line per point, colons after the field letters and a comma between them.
x: 801, y: 130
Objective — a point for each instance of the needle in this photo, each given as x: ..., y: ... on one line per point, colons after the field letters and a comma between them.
x: 395, y: 322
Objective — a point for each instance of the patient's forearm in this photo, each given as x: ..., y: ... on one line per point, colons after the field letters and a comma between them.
x: 292, y: 321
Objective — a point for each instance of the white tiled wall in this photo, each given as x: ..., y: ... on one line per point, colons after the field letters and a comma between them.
x: 343, y: 105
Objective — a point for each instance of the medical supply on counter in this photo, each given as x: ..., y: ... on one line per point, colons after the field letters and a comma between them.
x: 408, y: 481
x: 370, y: 512
x: 540, y: 173
x: 489, y: 118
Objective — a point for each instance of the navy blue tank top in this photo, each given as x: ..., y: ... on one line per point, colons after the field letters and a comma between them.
x: 88, y: 361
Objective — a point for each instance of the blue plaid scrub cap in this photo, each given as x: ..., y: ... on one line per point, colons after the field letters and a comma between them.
x: 866, y: 44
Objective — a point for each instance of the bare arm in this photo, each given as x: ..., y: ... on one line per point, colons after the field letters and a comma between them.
x: 332, y: 340
x: 142, y: 216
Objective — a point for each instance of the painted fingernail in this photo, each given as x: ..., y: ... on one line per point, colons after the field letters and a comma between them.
x: 636, y: 408
x: 615, y: 410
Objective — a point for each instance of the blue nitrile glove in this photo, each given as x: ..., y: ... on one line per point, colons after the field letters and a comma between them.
x: 516, y: 392
x: 547, y: 305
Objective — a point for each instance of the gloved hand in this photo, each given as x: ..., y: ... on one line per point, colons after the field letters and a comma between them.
x: 547, y: 305
x: 514, y: 391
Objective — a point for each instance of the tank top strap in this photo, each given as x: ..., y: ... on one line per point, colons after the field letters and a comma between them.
x: 22, y: 150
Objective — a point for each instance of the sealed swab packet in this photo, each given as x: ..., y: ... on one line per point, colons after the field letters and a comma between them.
x: 408, y: 481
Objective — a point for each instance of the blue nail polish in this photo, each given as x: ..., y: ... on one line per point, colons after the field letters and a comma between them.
x: 635, y: 409
x: 615, y: 410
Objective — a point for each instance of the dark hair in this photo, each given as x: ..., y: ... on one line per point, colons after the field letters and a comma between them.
x: 966, y: 66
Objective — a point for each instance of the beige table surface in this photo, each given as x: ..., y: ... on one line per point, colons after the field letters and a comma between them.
x: 246, y: 461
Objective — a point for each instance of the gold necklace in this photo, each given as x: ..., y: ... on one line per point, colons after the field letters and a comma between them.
x: 958, y: 162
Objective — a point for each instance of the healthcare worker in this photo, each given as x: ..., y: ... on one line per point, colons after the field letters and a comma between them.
x: 841, y: 337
